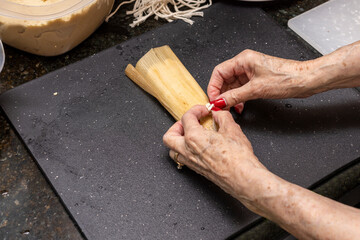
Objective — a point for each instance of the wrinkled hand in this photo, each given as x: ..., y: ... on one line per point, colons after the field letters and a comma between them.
x: 225, y: 157
x: 252, y: 75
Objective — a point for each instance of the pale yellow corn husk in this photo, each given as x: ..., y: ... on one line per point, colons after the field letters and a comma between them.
x: 160, y: 73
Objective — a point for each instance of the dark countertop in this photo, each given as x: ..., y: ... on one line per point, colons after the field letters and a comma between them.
x: 29, y: 207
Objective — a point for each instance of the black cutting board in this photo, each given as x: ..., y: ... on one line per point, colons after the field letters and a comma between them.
x: 98, y: 137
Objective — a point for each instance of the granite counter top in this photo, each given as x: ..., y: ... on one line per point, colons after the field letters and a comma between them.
x: 29, y: 207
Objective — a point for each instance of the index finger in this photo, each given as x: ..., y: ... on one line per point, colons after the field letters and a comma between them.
x: 223, y: 73
x: 191, y: 118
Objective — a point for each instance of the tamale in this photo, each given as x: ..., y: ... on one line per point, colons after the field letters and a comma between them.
x: 160, y: 73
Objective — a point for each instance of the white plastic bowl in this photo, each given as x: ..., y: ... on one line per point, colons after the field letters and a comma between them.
x: 2, y: 56
x: 50, y: 28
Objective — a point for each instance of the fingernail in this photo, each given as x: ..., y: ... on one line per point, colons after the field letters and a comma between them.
x: 216, y: 109
x: 237, y: 109
x: 219, y: 103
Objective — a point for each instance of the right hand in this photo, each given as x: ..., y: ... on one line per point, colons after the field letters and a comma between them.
x: 252, y: 75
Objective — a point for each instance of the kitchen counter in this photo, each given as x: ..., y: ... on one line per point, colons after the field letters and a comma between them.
x: 29, y: 207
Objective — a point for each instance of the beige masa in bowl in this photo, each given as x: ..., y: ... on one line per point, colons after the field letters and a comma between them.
x: 50, y: 27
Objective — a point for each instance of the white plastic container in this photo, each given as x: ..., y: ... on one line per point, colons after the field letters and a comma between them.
x: 331, y: 25
x: 2, y: 56
x: 50, y: 27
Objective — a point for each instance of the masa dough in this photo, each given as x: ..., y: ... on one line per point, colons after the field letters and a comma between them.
x: 35, y: 2
x: 54, y: 36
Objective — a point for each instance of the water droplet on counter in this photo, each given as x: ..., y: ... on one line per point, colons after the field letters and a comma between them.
x: 4, y: 193
x: 25, y: 232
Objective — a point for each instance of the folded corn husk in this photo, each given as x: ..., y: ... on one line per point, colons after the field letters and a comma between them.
x: 160, y: 73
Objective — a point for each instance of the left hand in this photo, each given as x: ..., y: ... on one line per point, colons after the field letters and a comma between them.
x: 225, y: 157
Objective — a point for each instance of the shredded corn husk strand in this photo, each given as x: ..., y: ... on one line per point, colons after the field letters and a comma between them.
x: 182, y: 10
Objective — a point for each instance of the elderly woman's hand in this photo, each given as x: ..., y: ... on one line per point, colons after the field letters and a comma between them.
x: 225, y: 157
x: 251, y: 75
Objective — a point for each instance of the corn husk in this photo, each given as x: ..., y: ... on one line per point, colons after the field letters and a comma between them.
x: 160, y: 73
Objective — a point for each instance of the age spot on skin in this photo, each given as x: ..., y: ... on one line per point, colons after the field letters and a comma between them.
x: 211, y: 139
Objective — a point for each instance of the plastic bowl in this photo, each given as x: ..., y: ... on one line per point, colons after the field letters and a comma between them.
x: 50, y: 28
x: 2, y: 56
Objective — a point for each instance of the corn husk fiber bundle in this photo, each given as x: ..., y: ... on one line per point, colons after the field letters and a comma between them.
x: 169, y: 10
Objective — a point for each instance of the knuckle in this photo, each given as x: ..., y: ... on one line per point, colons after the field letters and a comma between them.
x: 248, y: 53
x: 217, y: 69
x: 165, y: 138
x: 197, y: 106
x: 191, y: 138
x: 235, y: 97
x: 237, y: 128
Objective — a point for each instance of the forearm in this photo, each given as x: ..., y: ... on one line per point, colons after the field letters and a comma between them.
x: 340, y: 69
x: 301, y: 212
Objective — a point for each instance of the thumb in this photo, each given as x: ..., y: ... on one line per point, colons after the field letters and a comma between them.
x: 238, y: 95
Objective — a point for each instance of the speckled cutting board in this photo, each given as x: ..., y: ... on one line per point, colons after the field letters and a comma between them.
x: 98, y: 137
